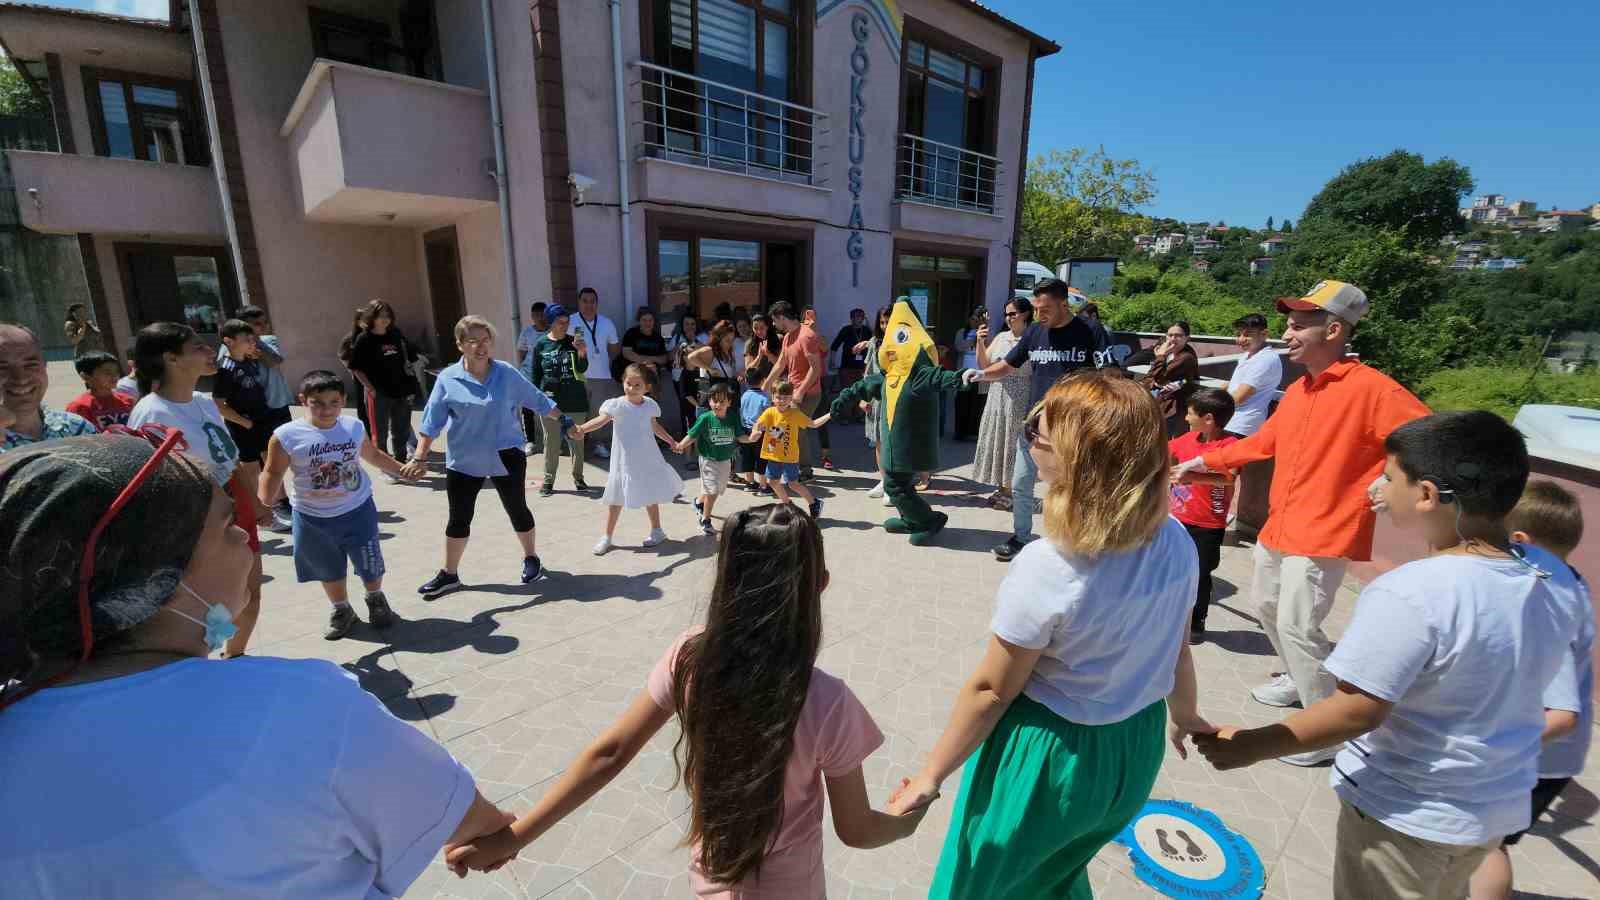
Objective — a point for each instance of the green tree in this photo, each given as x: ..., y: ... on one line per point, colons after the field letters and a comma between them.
x: 1082, y: 203
x: 1288, y: 226
x: 1399, y: 192
x: 1269, y: 223
x: 17, y: 96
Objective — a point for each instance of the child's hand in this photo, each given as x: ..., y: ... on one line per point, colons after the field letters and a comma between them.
x: 1224, y: 750
x: 483, y: 854
x: 1182, y: 727
x: 912, y: 794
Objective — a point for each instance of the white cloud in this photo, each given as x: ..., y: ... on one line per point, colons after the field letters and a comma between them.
x: 144, y: 9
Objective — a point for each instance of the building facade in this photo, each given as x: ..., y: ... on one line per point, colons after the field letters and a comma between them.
x: 673, y: 154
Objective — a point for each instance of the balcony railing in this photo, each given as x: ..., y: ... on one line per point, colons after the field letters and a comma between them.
x: 945, y: 175
x: 689, y: 119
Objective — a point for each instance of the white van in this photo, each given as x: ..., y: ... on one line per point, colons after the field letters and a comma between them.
x: 1028, y: 275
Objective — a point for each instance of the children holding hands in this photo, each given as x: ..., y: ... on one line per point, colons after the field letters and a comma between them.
x: 639, y: 475
x: 778, y: 429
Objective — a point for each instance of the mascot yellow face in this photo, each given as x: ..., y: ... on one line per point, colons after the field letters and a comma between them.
x: 905, y: 342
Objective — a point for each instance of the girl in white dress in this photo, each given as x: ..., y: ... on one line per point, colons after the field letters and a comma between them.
x: 640, y: 475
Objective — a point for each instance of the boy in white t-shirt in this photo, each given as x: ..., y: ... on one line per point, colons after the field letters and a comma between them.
x: 334, y: 516
x: 1441, y: 673
x: 1548, y: 516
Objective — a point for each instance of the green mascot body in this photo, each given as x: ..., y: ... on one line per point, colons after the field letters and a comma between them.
x: 908, y: 392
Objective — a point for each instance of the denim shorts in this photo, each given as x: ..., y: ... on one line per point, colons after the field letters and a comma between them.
x: 323, y: 544
x: 787, y: 473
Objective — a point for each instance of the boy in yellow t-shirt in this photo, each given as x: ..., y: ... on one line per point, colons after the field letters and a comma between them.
x: 778, y: 430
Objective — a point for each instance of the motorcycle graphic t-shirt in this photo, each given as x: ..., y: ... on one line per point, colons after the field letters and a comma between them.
x: 326, y: 464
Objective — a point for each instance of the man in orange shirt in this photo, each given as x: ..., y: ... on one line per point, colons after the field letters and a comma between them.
x: 801, y: 364
x: 1327, y: 439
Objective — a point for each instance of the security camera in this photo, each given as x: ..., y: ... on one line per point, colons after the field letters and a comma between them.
x: 580, y: 185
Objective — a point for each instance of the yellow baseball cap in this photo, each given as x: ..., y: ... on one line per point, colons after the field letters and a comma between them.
x: 1343, y: 300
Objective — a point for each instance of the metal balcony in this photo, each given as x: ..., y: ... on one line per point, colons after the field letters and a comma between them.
x: 687, y: 119
x: 945, y: 175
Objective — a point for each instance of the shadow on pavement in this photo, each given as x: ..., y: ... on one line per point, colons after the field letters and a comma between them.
x: 1251, y: 643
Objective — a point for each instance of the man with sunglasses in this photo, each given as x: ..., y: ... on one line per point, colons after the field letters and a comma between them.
x: 1058, y: 343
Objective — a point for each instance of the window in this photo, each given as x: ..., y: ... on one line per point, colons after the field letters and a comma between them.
x: 949, y: 119
x: 751, y: 50
x: 144, y: 117
x: 703, y: 272
x: 366, y: 42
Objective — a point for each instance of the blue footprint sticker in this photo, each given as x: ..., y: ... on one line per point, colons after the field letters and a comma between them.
x: 1186, y: 852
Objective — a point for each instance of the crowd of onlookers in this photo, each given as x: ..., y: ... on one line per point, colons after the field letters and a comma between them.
x: 1455, y: 708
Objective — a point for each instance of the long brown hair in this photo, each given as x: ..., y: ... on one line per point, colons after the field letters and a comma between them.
x: 740, y: 684
x: 1110, y: 444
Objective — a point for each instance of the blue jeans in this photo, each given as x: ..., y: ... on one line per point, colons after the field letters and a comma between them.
x: 1024, y: 475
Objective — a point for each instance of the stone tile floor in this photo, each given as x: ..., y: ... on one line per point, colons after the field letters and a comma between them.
x: 515, y: 680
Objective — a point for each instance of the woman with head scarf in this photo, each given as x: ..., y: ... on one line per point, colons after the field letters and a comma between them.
x: 147, y: 769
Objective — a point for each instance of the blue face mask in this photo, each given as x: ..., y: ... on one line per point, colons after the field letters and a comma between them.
x: 218, y: 624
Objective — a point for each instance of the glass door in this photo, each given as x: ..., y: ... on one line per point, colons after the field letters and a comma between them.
x: 166, y: 283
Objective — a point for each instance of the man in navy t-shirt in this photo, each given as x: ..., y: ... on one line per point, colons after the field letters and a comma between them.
x: 1057, y: 344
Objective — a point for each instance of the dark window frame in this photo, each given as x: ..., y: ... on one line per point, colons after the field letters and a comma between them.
x: 197, y: 148
x: 138, y: 316
x: 677, y: 227
x: 321, y: 20
x: 799, y: 22
x: 988, y: 63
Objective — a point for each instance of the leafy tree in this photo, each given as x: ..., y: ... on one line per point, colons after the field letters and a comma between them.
x: 17, y: 97
x: 1287, y: 226
x: 1505, y: 389
x: 1269, y: 223
x: 1082, y: 203
x: 1399, y: 192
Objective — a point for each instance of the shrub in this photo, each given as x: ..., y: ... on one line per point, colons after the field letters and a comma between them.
x: 1505, y: 390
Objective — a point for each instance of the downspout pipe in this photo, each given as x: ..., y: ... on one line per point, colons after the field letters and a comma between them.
x: 219, y: 168
x: 492, y: 61
x: 623, y: 163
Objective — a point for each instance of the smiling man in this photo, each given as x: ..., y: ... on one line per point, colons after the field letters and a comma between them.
x: 1327, y: 439
x: 25, y: 379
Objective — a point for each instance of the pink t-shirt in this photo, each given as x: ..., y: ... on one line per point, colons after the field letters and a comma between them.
x: 834, y: 735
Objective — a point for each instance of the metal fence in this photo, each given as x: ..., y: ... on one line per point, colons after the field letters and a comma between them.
x: 689, y: 119
x: 946, y: 175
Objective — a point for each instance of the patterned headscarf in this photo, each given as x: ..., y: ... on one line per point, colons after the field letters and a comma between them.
x: 51, y: 494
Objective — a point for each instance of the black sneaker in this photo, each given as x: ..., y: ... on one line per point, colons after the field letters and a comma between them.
x: 379, y: 615
x: 548, y: 489
x: 1197, y: 634
x: 579, y: 485
x: 532, y: 569
x: 816, y: 509
x: 439, y: 585
x: 706, y: 526
x: 340, y: 621
x: 1009, y: 549
x: 699, y: 509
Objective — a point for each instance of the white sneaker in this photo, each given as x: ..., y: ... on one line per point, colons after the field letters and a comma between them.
x: 602, y: 451
x: 601, y: 546
x: 656, y: 538
x: 1310, y: 758
x: 877, y: 491
x: 1279, y: 691
x: 887, y: 501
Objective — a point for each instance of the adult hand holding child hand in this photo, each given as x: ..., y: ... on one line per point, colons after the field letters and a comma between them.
x: 913, y: 795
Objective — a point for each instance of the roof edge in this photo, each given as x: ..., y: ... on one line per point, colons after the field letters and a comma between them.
x: 1042, y: 45
x: 84, y: 15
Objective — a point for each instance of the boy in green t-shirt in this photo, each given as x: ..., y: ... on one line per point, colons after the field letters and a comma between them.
x: 714, y: 436
x: 556, y: 366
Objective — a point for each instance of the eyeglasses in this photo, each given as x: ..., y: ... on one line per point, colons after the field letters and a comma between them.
x: 1033, y: 430
x: 1013, y: 315
x: 166, y: 441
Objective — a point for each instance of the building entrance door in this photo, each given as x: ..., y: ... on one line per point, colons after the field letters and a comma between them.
x: 443, y: 258
x: 942, y: 289
x: 173, y: 283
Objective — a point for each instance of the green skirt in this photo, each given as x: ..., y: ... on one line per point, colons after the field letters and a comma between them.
x: 1040, y: 798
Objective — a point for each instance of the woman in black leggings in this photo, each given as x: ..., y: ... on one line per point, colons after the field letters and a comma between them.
x: 480, y: 399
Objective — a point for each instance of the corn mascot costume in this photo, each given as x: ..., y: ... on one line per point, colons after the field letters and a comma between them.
x: 908, y: 393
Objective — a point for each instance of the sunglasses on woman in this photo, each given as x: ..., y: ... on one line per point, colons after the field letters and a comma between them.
x: 1033, y: 429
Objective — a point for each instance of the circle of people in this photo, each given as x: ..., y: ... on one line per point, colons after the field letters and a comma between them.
x: 1455, y: 708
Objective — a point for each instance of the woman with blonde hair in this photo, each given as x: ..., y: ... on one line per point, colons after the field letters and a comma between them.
x: 1090, y: 634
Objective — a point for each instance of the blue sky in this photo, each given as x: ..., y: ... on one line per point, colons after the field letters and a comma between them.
x: 1245, y: 108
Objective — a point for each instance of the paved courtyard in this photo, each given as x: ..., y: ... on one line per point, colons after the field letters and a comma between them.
x: 515, y: 680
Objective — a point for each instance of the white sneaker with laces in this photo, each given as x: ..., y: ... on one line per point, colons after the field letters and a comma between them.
x: 656, y: 538
x: 601, y: 546
x: 877, y: 491
x: 1280, y: 691
x: 1311, y: 757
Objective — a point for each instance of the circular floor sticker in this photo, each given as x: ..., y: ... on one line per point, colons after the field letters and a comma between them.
x: 1186, y: 852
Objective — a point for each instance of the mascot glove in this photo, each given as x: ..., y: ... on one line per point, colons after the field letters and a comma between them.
x: 971, y: 376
